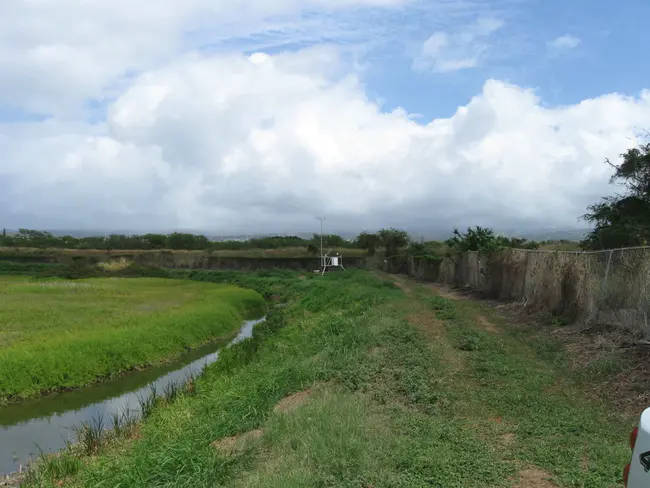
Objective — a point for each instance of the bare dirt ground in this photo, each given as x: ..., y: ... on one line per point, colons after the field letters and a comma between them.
x: 291, y: 402
x: 487, y: 325
x: 228, y: 445
x: 534, y: 478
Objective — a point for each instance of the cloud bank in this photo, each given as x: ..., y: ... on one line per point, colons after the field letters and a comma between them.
x: 249, y: 142
x: 126, y: 121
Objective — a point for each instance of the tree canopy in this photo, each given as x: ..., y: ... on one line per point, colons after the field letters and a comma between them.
x: 483, y: 239
x: 623, y: 220
x: 174, y: 241
x: 392, y: 240
x: 368, y: 241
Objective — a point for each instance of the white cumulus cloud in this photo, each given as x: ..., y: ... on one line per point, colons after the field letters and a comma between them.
x: 264, y: 143
x: 57, y: 54
x: 444, y: 52
x: 563, y: 43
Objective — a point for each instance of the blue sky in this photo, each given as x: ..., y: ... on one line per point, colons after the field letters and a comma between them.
x: 211, y: 113
x: 609, y: 58
x: 611, y: 39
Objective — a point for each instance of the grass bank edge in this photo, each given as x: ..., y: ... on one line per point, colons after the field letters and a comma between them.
x: 241, y: 359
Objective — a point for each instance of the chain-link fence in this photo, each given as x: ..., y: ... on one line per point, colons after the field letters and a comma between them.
x: 610, y: 287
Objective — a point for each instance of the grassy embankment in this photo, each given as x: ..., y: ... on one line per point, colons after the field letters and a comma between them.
x: 58, y: 334
x: 400, y: 388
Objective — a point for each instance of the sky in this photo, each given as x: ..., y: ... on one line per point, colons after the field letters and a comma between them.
x: 257, y: 116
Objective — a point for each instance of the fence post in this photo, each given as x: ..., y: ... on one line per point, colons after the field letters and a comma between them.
x: 609, y: 262
x: 643, y: 295
x: 523, y: 281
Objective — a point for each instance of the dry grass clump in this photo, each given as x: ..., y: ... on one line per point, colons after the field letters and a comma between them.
x: 115, y: 264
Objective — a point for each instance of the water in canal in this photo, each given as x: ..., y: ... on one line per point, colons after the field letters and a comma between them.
x: 46, y: 424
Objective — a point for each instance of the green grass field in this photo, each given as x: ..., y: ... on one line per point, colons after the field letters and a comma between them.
x: 360, y: 383
x: 58, y: 333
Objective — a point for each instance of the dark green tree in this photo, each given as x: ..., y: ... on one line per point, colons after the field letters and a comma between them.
x: 393, y: 240
x: 35, y: 238
x: 483, y: 239
x: 192, y: 242
x: 154, y: 241
x: 367, y: 241
x: 623, y: 220
x: 477, y: 239
x: 5, y: 240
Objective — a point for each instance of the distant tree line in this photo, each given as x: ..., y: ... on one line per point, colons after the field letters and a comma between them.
x: 175, y: 241
x: 391, y: 241
x: 397, y: 242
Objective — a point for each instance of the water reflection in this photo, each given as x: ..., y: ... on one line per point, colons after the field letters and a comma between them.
x: 47, y: 423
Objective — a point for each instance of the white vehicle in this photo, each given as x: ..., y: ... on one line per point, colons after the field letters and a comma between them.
x: 637, y: 473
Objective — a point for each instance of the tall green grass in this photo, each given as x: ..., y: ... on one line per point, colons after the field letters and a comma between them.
x: 58, y: 334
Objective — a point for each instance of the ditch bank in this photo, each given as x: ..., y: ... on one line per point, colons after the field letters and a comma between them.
x: 170, y: 259
x: 48, y: 424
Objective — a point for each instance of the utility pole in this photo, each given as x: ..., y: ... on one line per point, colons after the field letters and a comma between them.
x: 321, y: 240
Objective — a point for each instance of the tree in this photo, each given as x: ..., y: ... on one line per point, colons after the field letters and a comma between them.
x: 192, y: 242
x: 623, y: 220
x: 6, y: 241
x: 154, y: 241
x: 35, y: 238
x: 367, y: 241
x: 483, y: 239
x: 417, y: 248
x: 478, y: 239
x: 392, y: 240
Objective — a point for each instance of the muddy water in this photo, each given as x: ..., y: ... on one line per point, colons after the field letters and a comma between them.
x: 47, y: 424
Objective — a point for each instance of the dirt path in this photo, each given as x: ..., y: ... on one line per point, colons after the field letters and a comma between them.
x: 402, y: 282
x: 446, y: 292
x: 500, y: 430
